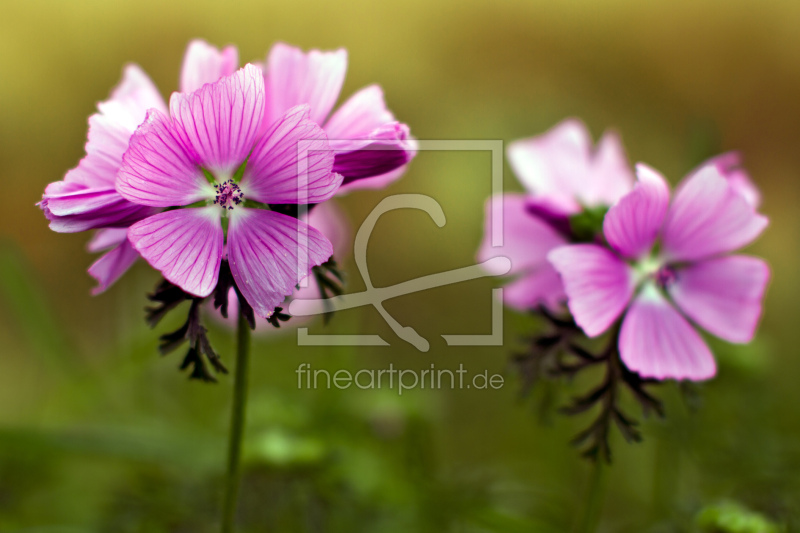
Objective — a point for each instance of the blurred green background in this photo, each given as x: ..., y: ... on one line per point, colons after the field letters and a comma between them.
x: 100, y: 434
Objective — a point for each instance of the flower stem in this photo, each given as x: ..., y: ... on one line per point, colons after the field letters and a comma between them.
x: 238, y: 412
x: 594, y: 498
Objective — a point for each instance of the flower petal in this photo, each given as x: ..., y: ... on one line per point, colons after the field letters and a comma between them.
x: 184, y: 244
x: 158, y: 169
x: 527, y: 239
x: 657, y: 342
x: 270, y: 253
x: 709, y: 217
x: 723, y: 295
x: 220, y: 120
x: 633, y: 223
x: 541, y: 286
x: 107, y: 238
x: 598, y: 284
x: 88, y: 209
x: 276, y: 173
x: 389, y: 148
x: 560, y: 167
x: 112, y: 265
x: 331, y: 221
x: 294, y: 77
x: 85, y: 198
x: 204, y: 63
x: 729, y: 166
x: 360, y: 115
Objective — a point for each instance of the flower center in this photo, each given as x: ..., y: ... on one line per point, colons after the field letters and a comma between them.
x: 653, y: 268
x: 228, y: 195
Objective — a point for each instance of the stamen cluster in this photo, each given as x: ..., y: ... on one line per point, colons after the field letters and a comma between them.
x: 228, y: 194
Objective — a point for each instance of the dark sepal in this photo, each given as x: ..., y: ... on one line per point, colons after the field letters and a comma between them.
x: 223, y: 288
x: 330, y: 282
x: 168, y: 297
x: 278, y: 316
x: 245, y: 308
x: 195, y: 333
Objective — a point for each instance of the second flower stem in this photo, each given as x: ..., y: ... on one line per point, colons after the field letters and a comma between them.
x: 238, y: 415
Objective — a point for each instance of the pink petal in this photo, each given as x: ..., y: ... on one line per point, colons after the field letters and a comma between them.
x: 89, y: 209
x: 267, y: 258
x: 708, y: 217
x: 541, y: 286
x: 294, y: 77
x: 158, y: 169
x: 561, y: 168
x: 729, y: 165
x: 112, y: 265
x: 220, y: 120
x: 632, y: 224
x: 527, y: 239
x: 657, y: 342
x: 723, y: 295
x: 276, y: 174
x: 204, y: 63
x: 387, y: 149
x: 611, y: 173
x: 598, y: 284
x: 111, y: 128
x: 104, y: 239
x: 331, y: 221
x: 360, y: 115
x: 184, y: 244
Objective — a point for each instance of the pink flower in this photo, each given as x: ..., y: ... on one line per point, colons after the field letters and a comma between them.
x: 208, y: 152
x: 669, y: 263
x: 563, y: 175
x: 86, y: 198
x: 372, y: 148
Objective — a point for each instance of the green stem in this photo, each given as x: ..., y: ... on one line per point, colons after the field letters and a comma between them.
x: 238, y: 411
x: 594, y: 498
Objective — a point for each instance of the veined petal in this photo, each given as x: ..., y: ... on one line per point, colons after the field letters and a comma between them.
x: 158, y: 169
x: 294, y: 77
x: 89, y: 209
x: 709, y: 217
x: 657, y: 342
x: 112, y: 265
x: 633, y: 223
x: 269, y: 253
x: 527, y: 239
x: 111, y: 128
x: 723, y: 295
x: 292, y: 163
x: 598, y: 284
x: 360, y: 115
x: 204, y: 63
x: 184, y: 244
x: 104, y: 239
x: 220, y: 120
x: 541, y: 286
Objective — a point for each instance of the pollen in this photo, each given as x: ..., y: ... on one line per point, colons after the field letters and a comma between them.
x: 229, y: 195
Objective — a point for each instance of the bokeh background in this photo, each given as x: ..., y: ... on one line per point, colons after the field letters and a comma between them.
x: 100, y: 434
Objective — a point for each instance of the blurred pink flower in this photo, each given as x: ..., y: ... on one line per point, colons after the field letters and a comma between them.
x: 668, y: 263
x: 563, y: 174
